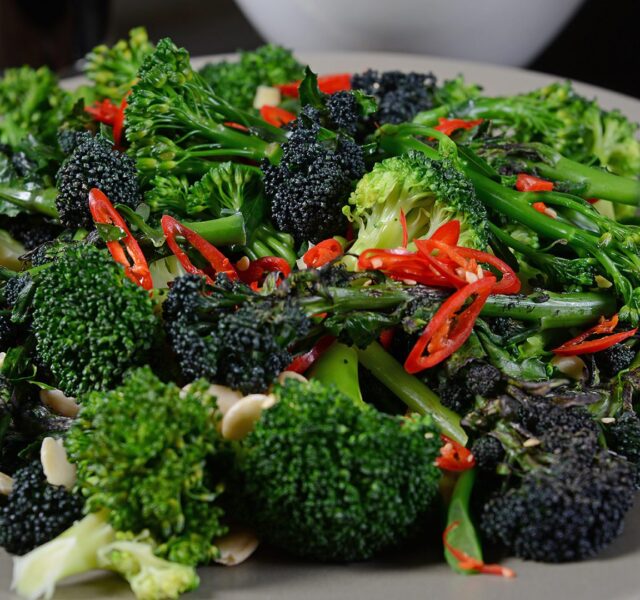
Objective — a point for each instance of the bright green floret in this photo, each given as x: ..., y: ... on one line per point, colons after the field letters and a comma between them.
x: 140, y: 452
x: 31, y: 103
x: 333, y: 479
x: 90, y: 321
x: 93, y: 544
x: 429, y: 192
x: 226, y: 189
x: 150, y: 577
x: 237, y: 81
x: 113, y: 70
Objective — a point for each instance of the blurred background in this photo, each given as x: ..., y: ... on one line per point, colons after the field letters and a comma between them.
x: 588, y: 40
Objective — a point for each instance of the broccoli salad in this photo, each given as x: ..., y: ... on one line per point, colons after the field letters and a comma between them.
x: 326, y: 313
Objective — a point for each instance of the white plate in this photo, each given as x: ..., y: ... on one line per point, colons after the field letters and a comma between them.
x: 419, y: 575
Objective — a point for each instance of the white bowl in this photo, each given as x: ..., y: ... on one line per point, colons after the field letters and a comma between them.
x: 509, y: 32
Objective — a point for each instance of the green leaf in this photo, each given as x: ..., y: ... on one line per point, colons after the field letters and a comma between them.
x: 309, y: 91
x: 366, y: 104
x: 110, y: 233
x: 137, y: 222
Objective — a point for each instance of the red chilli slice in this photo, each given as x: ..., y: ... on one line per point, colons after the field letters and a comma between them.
x: 219, y: 263
x: 530, y: 183
x: 274, y: 115
x: 581, y: 345
x: 449, y: 328
x: 454, y: 456
x: 468, y: 563
x: 322, y: 253
x: 103, y: 211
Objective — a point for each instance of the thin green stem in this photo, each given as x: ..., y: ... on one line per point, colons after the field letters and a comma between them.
x: 222, y: 232
x: 415, y: 394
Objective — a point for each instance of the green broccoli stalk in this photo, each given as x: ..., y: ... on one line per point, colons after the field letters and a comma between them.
x: 462, y: 535
x: 28, y: 197
x: 415, y: 394
x: 428, y: 192
x: 330, y: 478
x: 93, y: 544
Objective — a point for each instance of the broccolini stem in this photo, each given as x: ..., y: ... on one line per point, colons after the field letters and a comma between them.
x: 221, y: 232
x: 345, y: 299
x: 463, y: 536
x: 34, y: 200
x: 339, y: 366
x: 415, y: 394
x: 552, y: 310
x: 595, y: 183
x: 276, y: 244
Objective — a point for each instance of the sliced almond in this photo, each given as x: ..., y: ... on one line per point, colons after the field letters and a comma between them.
x: 291, y: 375
x: 236, y: 547
x: 55, y: 464
x: 571, y: 366
x: 243, y: 415
x: 266, y: 96
x: 6, y: 484
x: 3, y: 355
x: 59, y: 403
x: 531, y: 443
x: 225, y: 396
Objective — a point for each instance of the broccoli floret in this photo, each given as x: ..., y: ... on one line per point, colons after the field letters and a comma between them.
x: 476, y: 378
x: 30, y: 230
x: 429, y: 192
x: 229, y: 334
x: 309, y: 186
x: 13, y: 287
x: 563, y: 497
x: 237, y: 82
x: 9, y: 331
x: 539, y: 416
x: 623, y: 436
x: 140, y: 453
x: 36, y: 511
x: 343, y: 112
x: 70, y: 139
x: 488, y: 453
x: 93, y: 544
x: 90, y: 321
x: 400, y: 95
x: 149, y: 576
x: 332, y: 479
x: 614, y: 359
x: 94, y: 164
x: 568, y: 511
x: 114, y: 70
